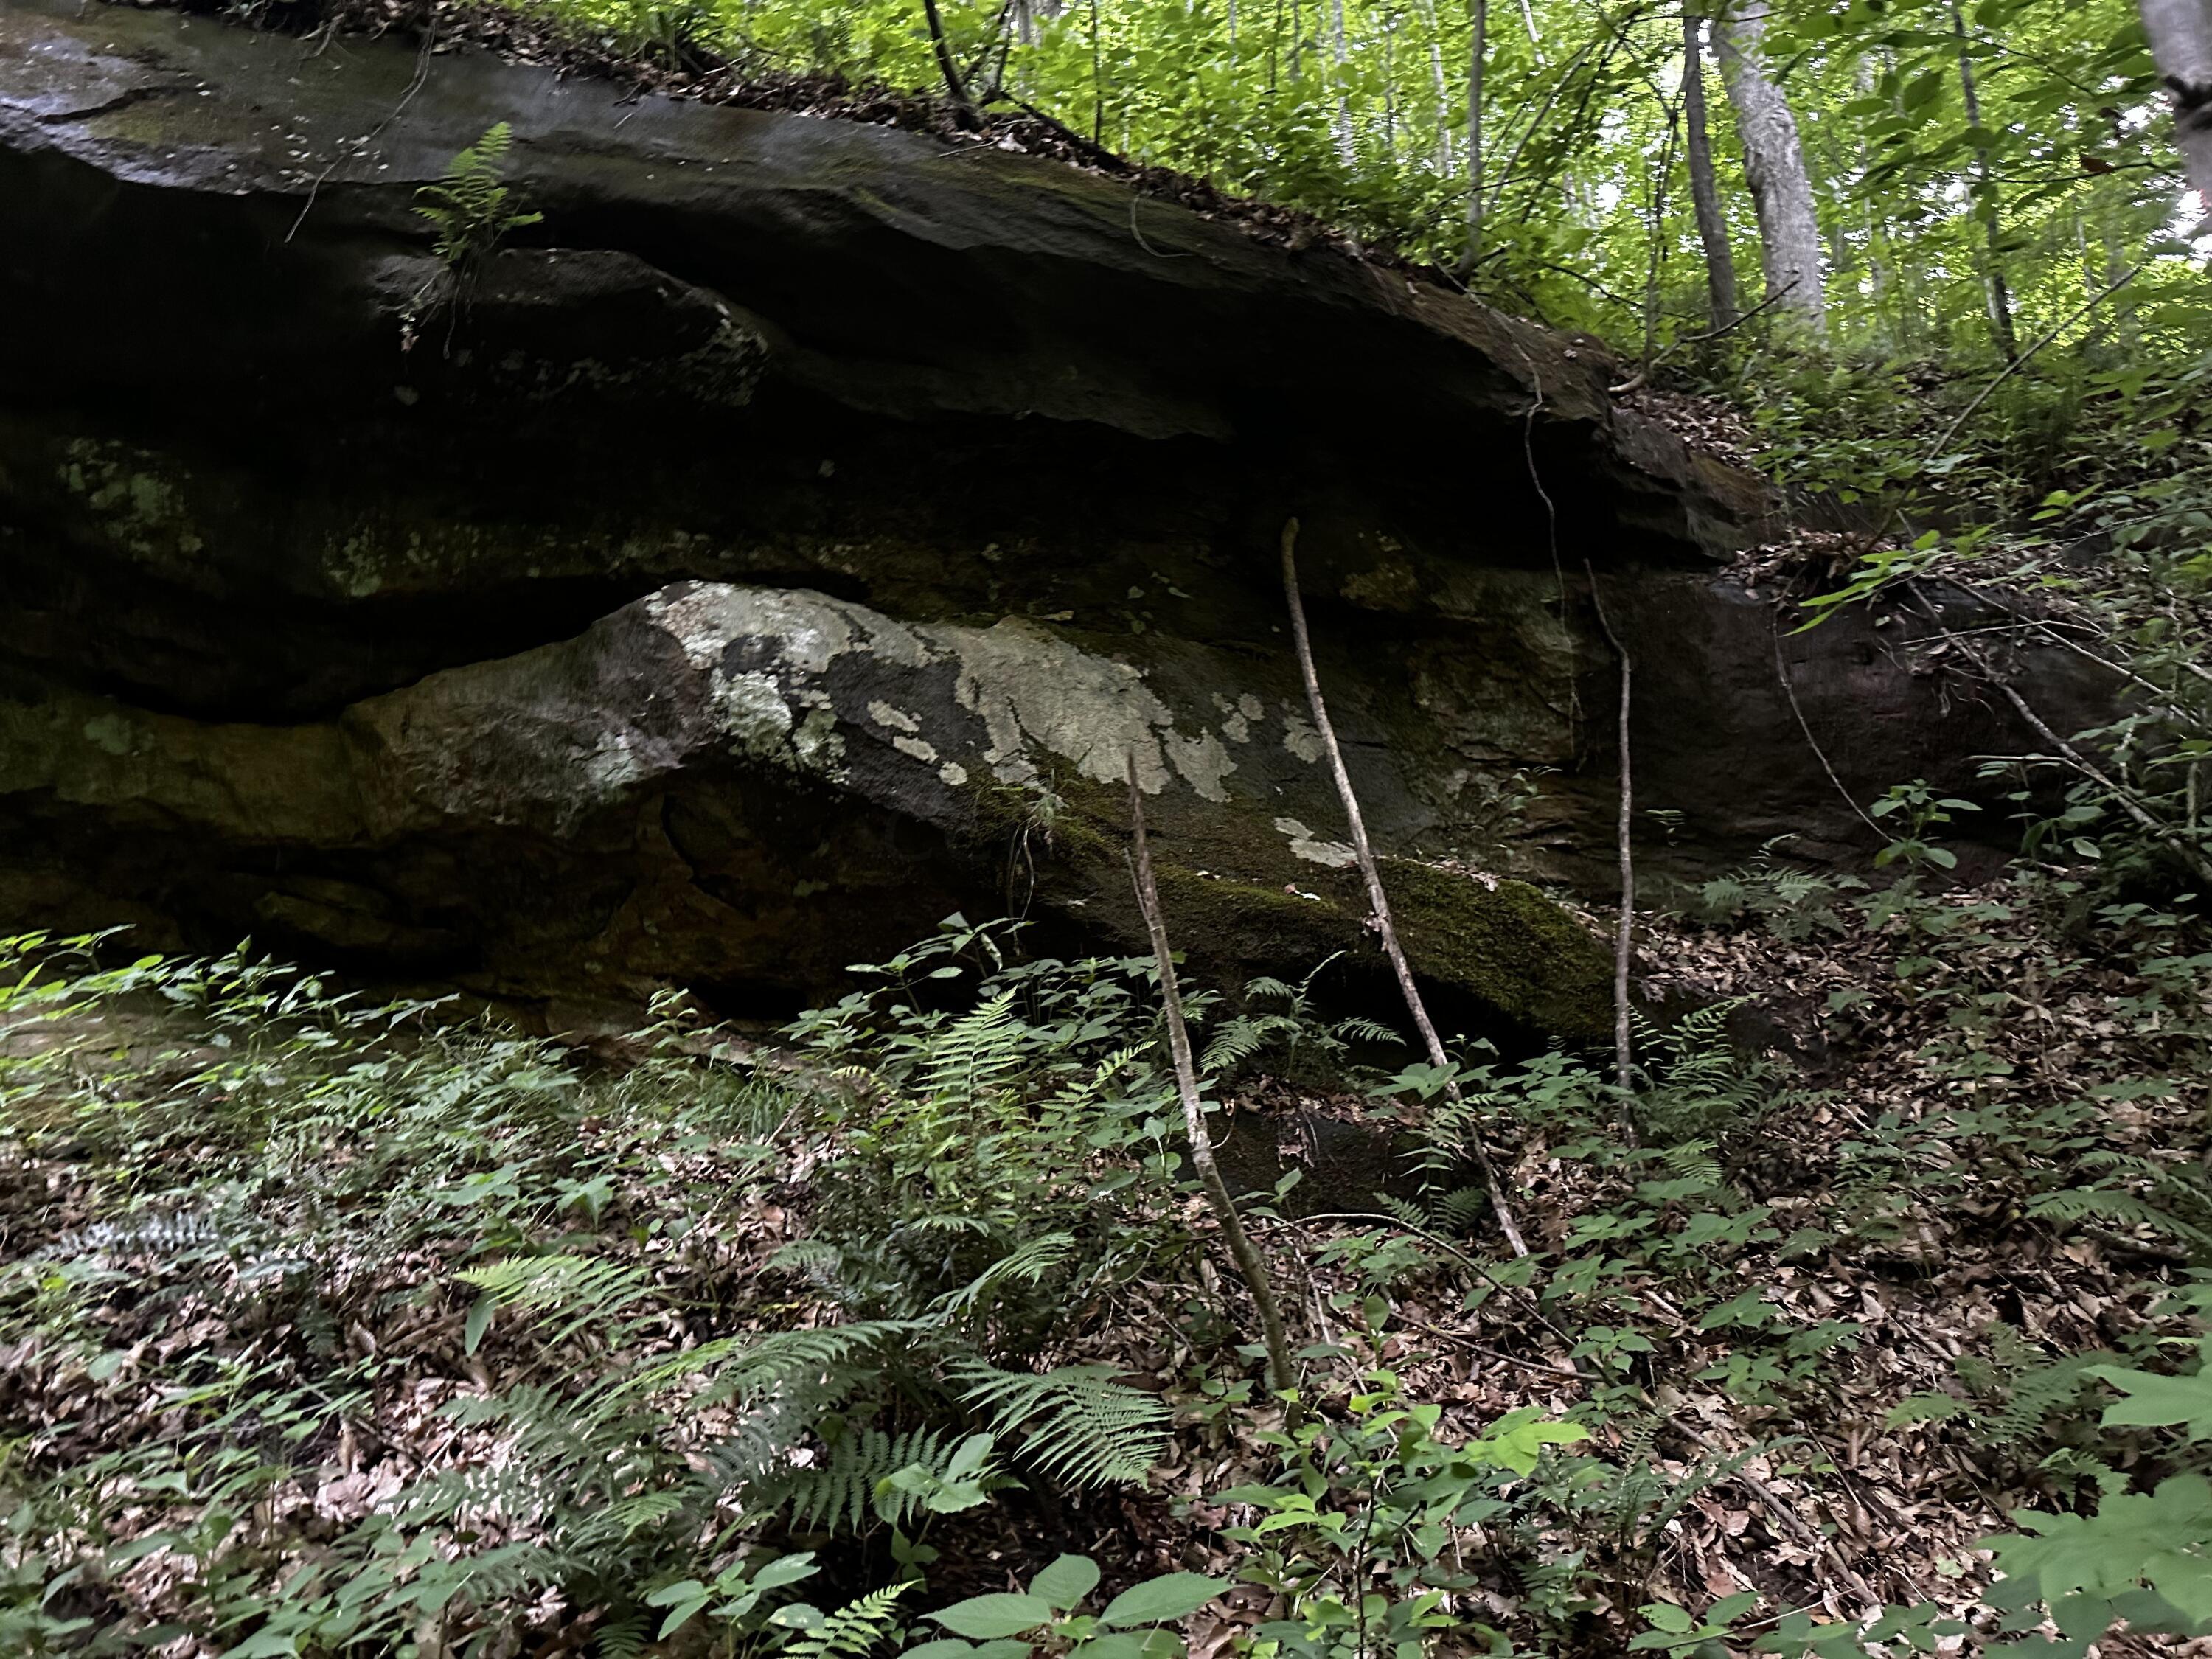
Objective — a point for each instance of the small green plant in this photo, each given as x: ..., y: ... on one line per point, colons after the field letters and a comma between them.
x: 470, y: 205
x: 1048, y: 1617
x: 1373, y: 1496
x: 1920, y: 809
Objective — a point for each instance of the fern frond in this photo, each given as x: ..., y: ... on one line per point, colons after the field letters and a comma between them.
x: 1076, y: 1423
x: 1411, y: 1215
x: 740, y: 1363
x: 1027, y: 1264
x: 978, y: 1052
x: 855, y: 1628
x: 840, y: 1492
x: 623, y: 1637
x: 1465, y: 1207
x: 469, y: 204
x: 583, y: 1289
x: 2114, y: 1206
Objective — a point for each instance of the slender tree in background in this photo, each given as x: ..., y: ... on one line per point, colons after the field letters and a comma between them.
x: 2180, y: 34
x: 945, y: 64
x: 1997, y: 291
x: 1340, y: 59
x: 1447, y: 158
x: 1478, y: 42
x: 1774, y: 162
x: 1704, y: 193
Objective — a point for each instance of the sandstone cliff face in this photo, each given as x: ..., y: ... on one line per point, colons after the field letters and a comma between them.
x: 784, y: 545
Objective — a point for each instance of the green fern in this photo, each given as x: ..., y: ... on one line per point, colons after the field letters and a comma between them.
x: 584, y: 1290
x: 623, y: 1637
x: 1076, y: 1423
x: 1028, y: 1263
x: 978, y: 1054
x: 2115, y: 1207
x: 469, y: 205
x: 841, y: 1493
x: 1409, y: 1215
x: 853, y: 1629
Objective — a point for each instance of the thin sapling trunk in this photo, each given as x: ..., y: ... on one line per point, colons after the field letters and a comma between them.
x: 1623, y: 935
x: 1255, y: 1271
x: 1704, y: 192
x: 1376, y: 896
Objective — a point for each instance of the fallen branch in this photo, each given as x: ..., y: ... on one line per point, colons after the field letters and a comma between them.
x: 1376, y: 898
x: 2126, y: 798
x: 1254, y: 1272
x: 2021, y: 361
x: 1643, y: 375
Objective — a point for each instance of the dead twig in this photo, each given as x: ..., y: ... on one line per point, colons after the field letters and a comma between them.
x: 1254, y: 1272
x: 1636, y: 379
x: 1789, y: 690
x: 1376, y: 898
x: 2019, y: 362
x: 2121, y: 795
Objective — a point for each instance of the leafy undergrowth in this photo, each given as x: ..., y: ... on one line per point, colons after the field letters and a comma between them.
x: 336, y: 1327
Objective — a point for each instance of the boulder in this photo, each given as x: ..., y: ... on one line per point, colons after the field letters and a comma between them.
x: 786, y: 541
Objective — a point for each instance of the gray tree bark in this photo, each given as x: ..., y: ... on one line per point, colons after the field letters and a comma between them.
x: 2181, y: 40
x: 1704, y: 193
x: 1774, y: 161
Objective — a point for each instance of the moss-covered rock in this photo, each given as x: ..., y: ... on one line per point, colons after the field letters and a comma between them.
x: 1505, y: 943
x: 665, y: 603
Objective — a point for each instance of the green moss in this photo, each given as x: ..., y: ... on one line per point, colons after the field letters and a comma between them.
x: 1508, y: 944
x: 1255, y: 924
x: 1071, y: 820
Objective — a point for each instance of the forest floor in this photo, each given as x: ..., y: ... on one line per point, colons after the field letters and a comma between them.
x: 1824, y: 1328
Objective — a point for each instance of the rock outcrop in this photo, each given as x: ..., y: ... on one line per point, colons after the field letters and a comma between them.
x: 784, y: 541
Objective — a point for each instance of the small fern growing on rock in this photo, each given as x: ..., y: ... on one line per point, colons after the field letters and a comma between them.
x: 471, y: 205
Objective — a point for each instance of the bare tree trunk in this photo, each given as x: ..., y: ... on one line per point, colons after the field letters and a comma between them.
x: 2181, y: 40
x: 1660, y: 244
x: 1998, y: 291
x: 1774, y: 161
x: 1447, y: 157
x: 1255, y: 1271
x: 1704, y: 193
x: 1302, y: 644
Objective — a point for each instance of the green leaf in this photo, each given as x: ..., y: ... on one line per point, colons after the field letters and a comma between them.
x: 1158, y: 1601
x: 945, y: 1647
x: 999, y: 1614
x: 1517, y: 1439
x: 1067, y: 1581
x: 1666, y: 1616
x: 264, y: 1645
x: 786, y: 1569
x: 2155, y: 1401
x: 1730, y: 1608
x: 1116, y: 1645
x: 479, y: 1320
x: 683, y: 1600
